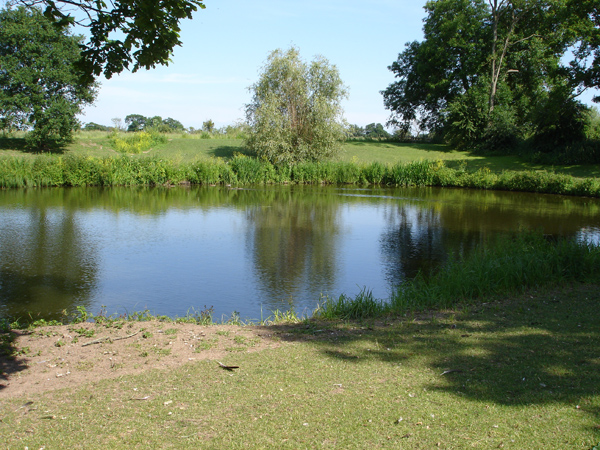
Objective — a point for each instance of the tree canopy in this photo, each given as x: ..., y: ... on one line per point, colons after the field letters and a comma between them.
x: 40, y: 86
x: 491, y: 70
x: 585, y: 17
x: 295, y: 113
x: 137, y: 122
x: 123, y: 33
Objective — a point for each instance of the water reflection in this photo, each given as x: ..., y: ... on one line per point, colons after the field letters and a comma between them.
x: 292, y: 237
x: 177, y: 250
x: 47, y: 265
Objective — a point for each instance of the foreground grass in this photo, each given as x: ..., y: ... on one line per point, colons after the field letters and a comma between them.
x: 521, y: 373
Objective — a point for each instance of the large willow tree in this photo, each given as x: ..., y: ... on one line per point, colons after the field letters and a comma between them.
x: 296, y: 113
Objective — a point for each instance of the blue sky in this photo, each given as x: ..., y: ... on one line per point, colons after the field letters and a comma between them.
x: 226, y: 44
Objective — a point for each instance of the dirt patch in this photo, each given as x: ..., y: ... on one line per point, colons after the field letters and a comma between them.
x: 72, y: 355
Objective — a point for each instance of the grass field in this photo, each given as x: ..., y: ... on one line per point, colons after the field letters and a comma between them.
x: 186, y: 148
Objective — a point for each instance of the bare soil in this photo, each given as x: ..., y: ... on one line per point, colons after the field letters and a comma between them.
x: 55, y: 357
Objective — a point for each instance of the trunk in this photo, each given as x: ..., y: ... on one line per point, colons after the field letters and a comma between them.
x: 497, y: 61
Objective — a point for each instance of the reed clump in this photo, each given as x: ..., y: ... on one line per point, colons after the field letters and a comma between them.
x: 127, y: 170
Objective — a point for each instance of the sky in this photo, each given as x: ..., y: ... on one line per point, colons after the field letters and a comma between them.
x: 226, y: 44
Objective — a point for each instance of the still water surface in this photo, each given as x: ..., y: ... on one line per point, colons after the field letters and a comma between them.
x: 181, y: 250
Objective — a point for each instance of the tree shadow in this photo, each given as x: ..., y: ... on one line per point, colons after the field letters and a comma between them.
x: 10, y: 363
x: 501, y: 163
x: 424, y: 146
x: 535, y: 350
x: 227, y: 151
x: 20, y: 145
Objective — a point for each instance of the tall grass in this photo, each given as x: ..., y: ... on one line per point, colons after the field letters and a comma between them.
x: 504, y: 267
x: 70, y: 170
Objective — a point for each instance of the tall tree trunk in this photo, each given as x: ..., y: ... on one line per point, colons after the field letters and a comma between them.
x: 498, y: 60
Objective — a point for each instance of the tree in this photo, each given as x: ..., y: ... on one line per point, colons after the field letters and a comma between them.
x: 149, y: 29
x: 354, y: 131
x: 40, y: 87
x: 376, y: 131
x: 295, y: 113
x: 135, y: 122
x: 208, y: 126
x: 585, y: 68
x: 91, y: 126
x: 434, y: 72
x: 173, y: 125
x: 482, y: 70
x: 117, y: 123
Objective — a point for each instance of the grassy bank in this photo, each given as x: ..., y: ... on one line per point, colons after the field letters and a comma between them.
x: 507, y: 266
x: 521, y: 373
x: 240, y: 170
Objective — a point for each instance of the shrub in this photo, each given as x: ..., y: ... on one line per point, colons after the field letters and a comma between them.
x: 137, y: 142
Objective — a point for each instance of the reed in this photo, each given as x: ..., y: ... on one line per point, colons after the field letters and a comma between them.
x: 70, y: 170
x: 507, y: 266
x: 362, y: 306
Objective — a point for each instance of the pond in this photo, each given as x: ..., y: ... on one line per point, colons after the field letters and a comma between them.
x: 182, y: 250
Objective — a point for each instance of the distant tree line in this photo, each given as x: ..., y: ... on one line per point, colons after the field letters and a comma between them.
x: 370, y: 131
x: 138, y: 122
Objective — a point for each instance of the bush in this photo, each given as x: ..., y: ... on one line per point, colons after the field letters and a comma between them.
x: 137, y: 142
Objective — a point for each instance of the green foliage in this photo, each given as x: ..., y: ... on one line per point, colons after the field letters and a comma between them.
x: 362, y: 306
x: 507, y: 266
x: 208, y: 126
x: 592, y: 131
x: 295, y: 113
x: 376, y: 131
x: 91, y: 126
x: 137, y: 142
x: 355, y: 131
x: 584, y: 18
x: 560, y: 120
x: 135, y: 122
x: 150, y: 31
x: 43, y: 171
x: 489, y: 74
x: 40, y: 86
x: 156, y: 124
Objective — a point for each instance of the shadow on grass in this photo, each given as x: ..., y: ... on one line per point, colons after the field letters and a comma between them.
x: 400, y: 145
x: 539, y: 349
x: 499, y: 163
x: 20, y: 145
x: 227, y: 151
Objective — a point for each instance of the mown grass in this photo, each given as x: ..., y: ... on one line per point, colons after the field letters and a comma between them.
x: 521, y: 373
